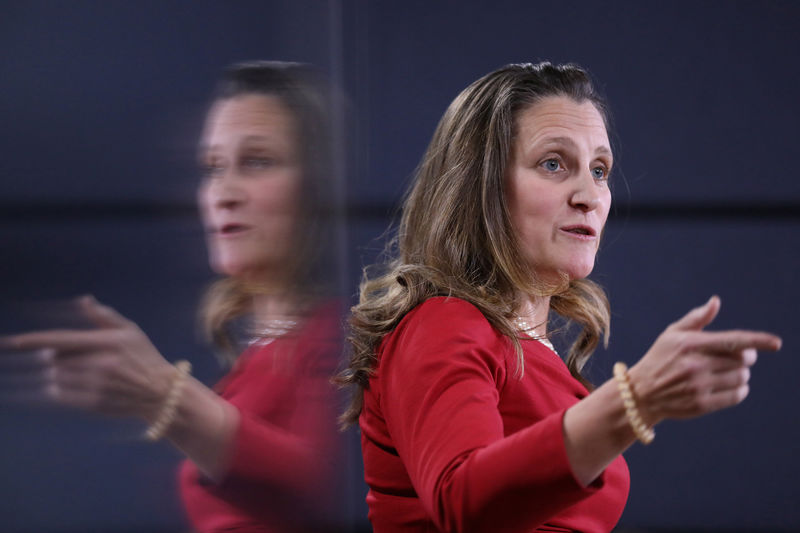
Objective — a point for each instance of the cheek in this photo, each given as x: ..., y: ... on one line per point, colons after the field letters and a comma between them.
x: 538, y: 206
x: 521, y: 201
x: 531, y: 210
x: 603, y: 210
x: 605, y: 207
x: 203, y: 202
x: 277, y: 197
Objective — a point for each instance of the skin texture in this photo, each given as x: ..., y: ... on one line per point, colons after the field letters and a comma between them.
x: 557, y: 180
x: 248, y: 198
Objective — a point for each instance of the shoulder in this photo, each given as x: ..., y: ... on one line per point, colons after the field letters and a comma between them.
x: 443, y: 324
x: 448, y: 311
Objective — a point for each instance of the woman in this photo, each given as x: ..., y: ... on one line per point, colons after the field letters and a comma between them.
x: 470, y: 421
x: 260, y: 446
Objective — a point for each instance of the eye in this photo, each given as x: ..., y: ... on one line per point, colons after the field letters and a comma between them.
x: 551, y: 165
x: 600, y: 173
x: 258, y: 163
x: 212, y: 169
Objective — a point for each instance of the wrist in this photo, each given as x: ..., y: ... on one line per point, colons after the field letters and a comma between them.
x: 169, y: 407
x: 160, y: 383
x: 643, y: 430
x: 648, y: 409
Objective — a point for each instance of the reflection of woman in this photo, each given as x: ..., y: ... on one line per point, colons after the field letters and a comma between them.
x: 470, y: 421
x: 259, y: 449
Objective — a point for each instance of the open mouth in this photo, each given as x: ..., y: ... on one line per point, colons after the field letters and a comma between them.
x: 232, y: 229
x: 580, y: 230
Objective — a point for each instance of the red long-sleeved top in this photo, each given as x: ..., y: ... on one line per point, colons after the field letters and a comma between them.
x: 280, y: 474
x: 454, y: 440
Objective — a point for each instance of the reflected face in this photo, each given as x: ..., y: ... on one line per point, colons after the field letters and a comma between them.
x: 249, y: 195
x: 557, y: 186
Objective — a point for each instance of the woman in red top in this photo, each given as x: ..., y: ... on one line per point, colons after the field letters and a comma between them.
x: 260, y: 448
x: 469, y: 419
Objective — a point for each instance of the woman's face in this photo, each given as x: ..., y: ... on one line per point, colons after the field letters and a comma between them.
x: 557, y: 186
x: 249, y: 195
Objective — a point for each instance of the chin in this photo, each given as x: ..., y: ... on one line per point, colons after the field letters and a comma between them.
x: 248, y: 270
x: 230, y: 266
x: 579, y: 269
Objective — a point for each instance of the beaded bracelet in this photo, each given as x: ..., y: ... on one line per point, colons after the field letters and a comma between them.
x: 167, y: 414
x: 643, y: 433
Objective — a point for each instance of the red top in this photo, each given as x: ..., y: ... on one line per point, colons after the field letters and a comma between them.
x: 454, y: 440
x: 280, y: 471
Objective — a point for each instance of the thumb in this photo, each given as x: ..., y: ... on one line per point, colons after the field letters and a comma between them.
x: 100, y: 315
x: 699, y: 317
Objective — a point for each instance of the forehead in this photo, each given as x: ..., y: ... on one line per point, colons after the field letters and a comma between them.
x: 560, y: 116
x: 247, y: 115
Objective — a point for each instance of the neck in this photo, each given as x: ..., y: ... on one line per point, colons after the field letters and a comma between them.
x: 271, y: 293
x: 535, y: 312
x: 270, y: 307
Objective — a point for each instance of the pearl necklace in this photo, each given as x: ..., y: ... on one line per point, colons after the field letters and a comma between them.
x: 524, y: 327
x: 271, y: 330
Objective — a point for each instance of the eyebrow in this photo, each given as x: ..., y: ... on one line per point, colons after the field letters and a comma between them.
x: 204, y: 148
x: 569, y: 142
x: 253, y: 138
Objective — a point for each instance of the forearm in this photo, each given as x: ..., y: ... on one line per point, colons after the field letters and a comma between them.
x: 596, y: 431
x: 227, y: 441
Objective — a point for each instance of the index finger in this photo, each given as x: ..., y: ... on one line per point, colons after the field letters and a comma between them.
x: 59, y: 339
x: 737, y: 340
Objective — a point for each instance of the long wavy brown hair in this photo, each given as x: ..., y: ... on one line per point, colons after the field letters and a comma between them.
x: 455, y: 236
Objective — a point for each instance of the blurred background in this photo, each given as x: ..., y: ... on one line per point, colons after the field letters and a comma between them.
x: 101, y: 105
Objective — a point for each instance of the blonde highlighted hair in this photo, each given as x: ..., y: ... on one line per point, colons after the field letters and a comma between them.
x: 455, y: 236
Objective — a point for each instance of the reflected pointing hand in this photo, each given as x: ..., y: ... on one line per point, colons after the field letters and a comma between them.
x: 112, y: 368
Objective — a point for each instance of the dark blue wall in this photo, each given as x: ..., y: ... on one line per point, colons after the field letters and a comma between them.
x: 100, y: 105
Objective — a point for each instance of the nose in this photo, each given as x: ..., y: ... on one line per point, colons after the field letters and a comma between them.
x: 223, y: 192
x: 586, y: 195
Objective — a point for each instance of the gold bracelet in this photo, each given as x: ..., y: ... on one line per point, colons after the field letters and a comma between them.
x: 167, y: 414
x: 643, y: 433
